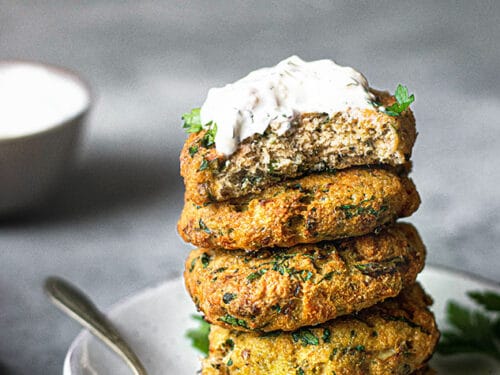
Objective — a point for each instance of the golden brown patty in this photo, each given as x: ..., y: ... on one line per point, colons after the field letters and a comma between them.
x: 397, y: 336
x: 316, y: 143
x: 314, y: 208
x: 303, y: 285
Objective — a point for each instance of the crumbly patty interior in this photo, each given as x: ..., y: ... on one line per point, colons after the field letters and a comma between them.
x: 305, y: 284
x: 315, y: 143
x: 397, y: 336
x: 310, y: 209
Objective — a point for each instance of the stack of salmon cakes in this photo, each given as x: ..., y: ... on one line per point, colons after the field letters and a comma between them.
x: 301, y: 266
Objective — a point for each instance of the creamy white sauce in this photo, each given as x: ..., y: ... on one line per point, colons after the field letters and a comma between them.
x: 276, y: 96
x: 34, y: 98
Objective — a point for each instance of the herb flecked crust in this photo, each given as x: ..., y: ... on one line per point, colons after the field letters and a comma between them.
x: 316, y: 143
x: 303, y: 285
x: 397, y: 336
x: 311, y: 209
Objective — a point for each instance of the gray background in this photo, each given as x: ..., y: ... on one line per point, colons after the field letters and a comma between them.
x: 111, y: 228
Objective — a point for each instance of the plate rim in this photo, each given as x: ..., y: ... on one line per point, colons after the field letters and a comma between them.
x: 127, y: 300
x: 466, y: 274
x: 113, y: 308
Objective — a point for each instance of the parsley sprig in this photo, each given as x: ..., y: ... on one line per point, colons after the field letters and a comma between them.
x: 199, y: 336
x: 473, y: 330
x: 192, y: 121
x: 403, y: 101
x: 209, y: 137
x: 192, y: 124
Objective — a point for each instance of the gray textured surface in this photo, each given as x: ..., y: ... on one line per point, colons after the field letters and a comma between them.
x: 111, y: 228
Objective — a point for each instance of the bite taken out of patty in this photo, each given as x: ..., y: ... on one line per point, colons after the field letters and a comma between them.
x: 305, y: 284
x: 315, y: 143
x: 311, y: 209
x: 397, y: 336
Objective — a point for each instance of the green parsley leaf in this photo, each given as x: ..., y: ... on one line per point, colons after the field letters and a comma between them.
x: 231, y: 320
x: 308, y: 275
x: 209, y: 137
x: 229, y: 343
x: 203, y: 226
x: 489, y: 300
x: 276, y: 308
x: 326, y: 335
x: 228, y: 297
x: 473, y: 330
x: 192, y: 121
x: 193, y: 150
x: 193, y: 264
x: 256, y: 275
x: 403, y: 101
x: 192, y: 124
x: 305, y: 336
x: 199, y: 336
x: 203, y: 165
x: 205, y: 259
x: 327, y: 277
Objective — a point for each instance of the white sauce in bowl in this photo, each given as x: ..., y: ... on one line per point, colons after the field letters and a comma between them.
x: 34, y: 98
x: 275, y: 96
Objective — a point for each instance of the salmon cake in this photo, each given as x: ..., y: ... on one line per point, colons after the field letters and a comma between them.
x: 315, y: 143
x: 303, y: 285
x: 311, y: 209
x: 397, y: 336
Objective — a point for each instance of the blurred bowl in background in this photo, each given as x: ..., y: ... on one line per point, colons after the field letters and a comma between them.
x: 42, y: 113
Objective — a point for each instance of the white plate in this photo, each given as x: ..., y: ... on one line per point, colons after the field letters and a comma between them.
x: 155, y: 320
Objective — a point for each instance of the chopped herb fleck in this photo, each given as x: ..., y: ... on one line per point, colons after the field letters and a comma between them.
x: 228, y: 297
x: 205, y: 259
x: 272, y: 166
x: 193, y: 263
x: 300, y: 371
x: 229, y: 343
x: 308, y: 276
x: 276, y: 308
x: 203, y: 226
x: 327, y: 277
x: 281, y: 263
x: 193, y: 150
x: 203, y: 165
x: 220, y: 269
x: 235, y: 322
x: 256, y: 275
x: 208, y: 139
x: 393, y: 318
x: 305, y: 336
x: 333, y: 353
x: 326, y: 335
x: 230, y: 362
x: 352, y: 210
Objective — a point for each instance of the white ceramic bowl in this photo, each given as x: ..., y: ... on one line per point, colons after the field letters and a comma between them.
x: 34, y: 163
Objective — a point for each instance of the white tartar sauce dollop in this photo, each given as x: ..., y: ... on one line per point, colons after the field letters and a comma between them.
x: 277, y: 95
